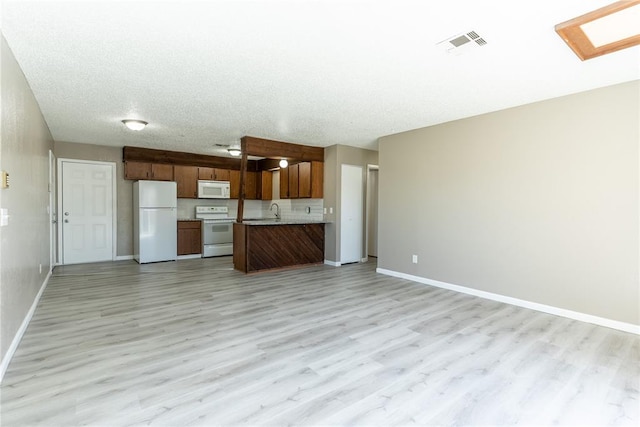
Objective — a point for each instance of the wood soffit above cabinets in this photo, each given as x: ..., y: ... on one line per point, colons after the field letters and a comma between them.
x: 273, y: 151
x: 136, y: 154
x: 281, y: 150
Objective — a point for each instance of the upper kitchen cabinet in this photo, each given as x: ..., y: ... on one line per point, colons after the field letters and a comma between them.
x: 265, y: 185
x: 317, y: 180
x: 214, y: 174
x: 284, y: 183
x: 234, y: 182
x: 293, y: 181
x: 302, y: 180
x: 252, y: 189
x: 187, y: 179
x: 251, y: 186
x: 144, y: 170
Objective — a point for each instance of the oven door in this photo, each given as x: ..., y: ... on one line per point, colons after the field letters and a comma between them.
x: 217, y: 238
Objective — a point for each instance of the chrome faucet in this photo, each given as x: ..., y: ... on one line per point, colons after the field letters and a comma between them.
x: 277, y: 209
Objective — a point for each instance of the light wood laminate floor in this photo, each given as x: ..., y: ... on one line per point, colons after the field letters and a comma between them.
x: 195, y: 343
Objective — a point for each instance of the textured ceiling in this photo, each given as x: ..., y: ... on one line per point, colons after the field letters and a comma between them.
x: 310, y: 72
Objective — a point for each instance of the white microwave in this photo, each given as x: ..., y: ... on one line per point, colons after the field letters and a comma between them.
x: 214, y: 189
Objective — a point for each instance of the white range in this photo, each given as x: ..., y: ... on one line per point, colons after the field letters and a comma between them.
x: 217, y: 230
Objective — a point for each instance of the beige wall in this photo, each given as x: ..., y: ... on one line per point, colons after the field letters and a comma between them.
x: 24, y: 243
x: 538, y: 202
x: 124, y: 188
x: 334, y: 157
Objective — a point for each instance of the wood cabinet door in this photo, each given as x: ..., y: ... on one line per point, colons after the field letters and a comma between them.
x: 251, y: 186
x: 137, y: 170
x: 304, y: 179
x: 293, y: 181
x: 284, y: 183
x: 160, y: 172
x: 265, y: 186
x: 234, y: 182
x: 222, y: 174
x: 187, y: 179
x: 206, y: 173
x: 189, y: 237
x: 317, y: 180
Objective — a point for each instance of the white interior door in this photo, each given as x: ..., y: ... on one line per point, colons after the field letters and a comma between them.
x: 87, y: 211
x: 351, y: 214
x: 372, y: 212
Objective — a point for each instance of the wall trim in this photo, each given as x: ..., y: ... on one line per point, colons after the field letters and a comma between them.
x: 332, y: 263
x: 123, y: 257
x: 4, y: 365
x: 575, y: 315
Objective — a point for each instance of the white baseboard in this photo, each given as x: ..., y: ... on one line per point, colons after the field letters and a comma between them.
x: 23, y: 327
x: 191, y: 256
x: 575, y: 315
x: 332, y: 263
x: 123, y: 257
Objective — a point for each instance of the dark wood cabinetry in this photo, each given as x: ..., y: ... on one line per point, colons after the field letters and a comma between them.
x: 162, y: 172
x: 293, y: 181
x: 234, y: 183
x: 213, y: 174
x: 189, y: 237
x: 187, y: 179
x: 143, y: 170
x: 299, y: 180
x: 302, y: 180
x: 265, y: 185
x: 267, y: 247
x: 317, y: 180
x: 284, y: 183
x: 251, y: 186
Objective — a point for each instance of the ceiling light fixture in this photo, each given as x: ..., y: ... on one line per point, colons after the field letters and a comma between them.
x: 234, y: 151
x: 605, y: 30
x: 283, y: 163
x: 135, y: 124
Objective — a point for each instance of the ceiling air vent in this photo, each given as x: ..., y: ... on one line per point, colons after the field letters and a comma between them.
x: 462, y: 42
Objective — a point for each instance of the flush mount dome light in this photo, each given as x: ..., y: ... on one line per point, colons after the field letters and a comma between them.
x: 234, y: 151
x: 135, y: 124
x: 283, y: 163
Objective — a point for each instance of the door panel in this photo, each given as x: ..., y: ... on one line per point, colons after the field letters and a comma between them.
x: 87, y: 212
x: 351, y: 215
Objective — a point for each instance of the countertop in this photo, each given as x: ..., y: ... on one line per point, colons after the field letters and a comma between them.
x: 271, y: 221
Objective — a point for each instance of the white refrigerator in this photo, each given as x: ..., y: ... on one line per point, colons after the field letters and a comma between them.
x: 155, y: 235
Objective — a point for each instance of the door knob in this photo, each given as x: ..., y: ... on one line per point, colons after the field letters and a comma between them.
x: 66, y: 214
x: 66, y: 220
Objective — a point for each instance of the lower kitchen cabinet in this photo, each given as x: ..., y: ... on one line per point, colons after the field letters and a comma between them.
x: 189, y: 237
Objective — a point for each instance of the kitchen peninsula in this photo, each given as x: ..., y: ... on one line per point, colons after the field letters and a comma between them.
x: 260, y: 245
x: 269, y: 244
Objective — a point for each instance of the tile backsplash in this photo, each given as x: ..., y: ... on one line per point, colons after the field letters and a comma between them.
x: 289, y: 208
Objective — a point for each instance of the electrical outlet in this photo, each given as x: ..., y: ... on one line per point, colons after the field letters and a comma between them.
x: 414, y: 259
x: 324, y: 211
x: 330, y: 210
